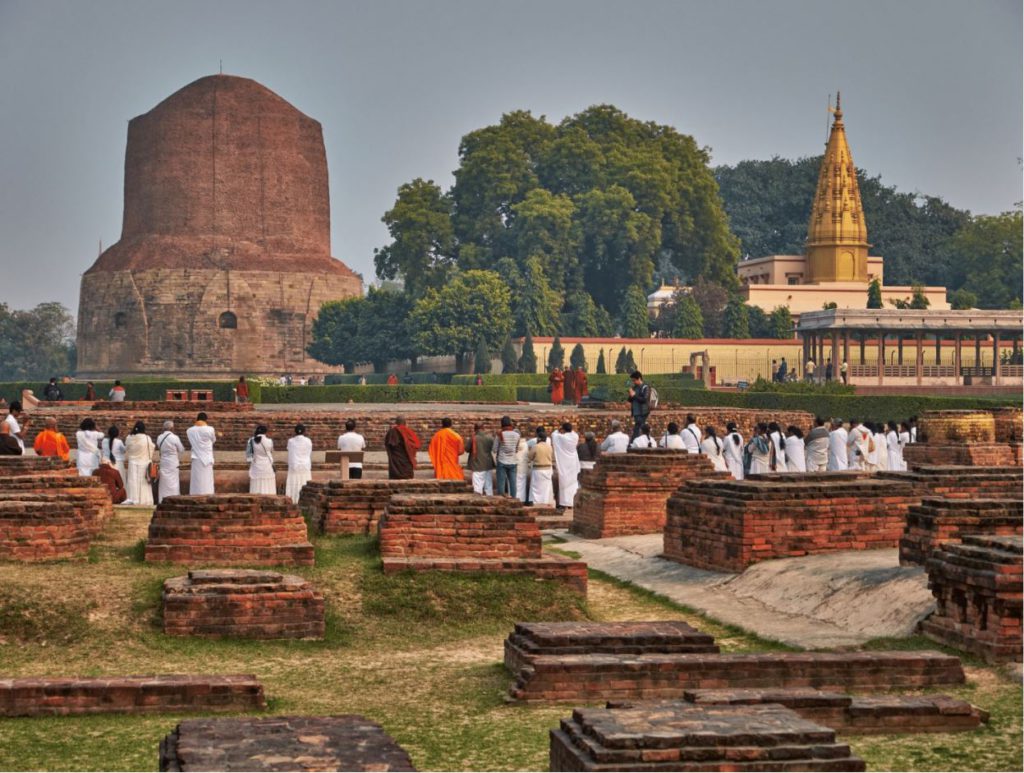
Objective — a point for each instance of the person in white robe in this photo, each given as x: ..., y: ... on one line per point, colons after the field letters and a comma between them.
x: 300, y: 463
x: 672, y: 440
x: 617, y: 441
x: 87, y: 445
x: 733, y: 451
x: 259, y: 452
x: 892, y: 447
x: 691, y: 435
x: 816, y: 447
x: 138, y: 456
x: 779, y: 441
x: 881, y: 447
x: 761, y: 450
x: 169, y: 449
x: 838, y: 458
x: 904, y: 439
x: 859, y: 447
x: 112, y: 449
x: 541, y: 460
x: 796, y: 459
x: 565, y: 443
x: 522, y: 470
x: 644, y: 439
x: 201, y: 438
x: 714, y: 449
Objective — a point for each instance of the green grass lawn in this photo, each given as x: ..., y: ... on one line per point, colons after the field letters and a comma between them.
x: 418, y: 653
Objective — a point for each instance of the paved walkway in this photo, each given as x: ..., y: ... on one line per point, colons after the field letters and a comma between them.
x: 831, y: 600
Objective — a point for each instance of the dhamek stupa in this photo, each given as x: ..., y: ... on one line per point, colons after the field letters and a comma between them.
x: 225, y: 255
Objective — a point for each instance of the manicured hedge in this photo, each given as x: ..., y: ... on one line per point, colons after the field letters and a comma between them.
x: 135, y: 389
x: 594, y: 380
x: 382, y: 378
x: 376, y: 393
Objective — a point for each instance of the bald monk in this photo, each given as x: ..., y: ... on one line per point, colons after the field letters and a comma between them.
x: 445, y: 449
x: 50, y: 442
x: 401, y: 444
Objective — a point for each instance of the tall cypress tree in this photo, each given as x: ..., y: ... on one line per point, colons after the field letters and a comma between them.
x: 737, y: 319
x: 620, y: 361
x: 556, y: 357
x: 578, y: 358
x: 528, y: 360
x: 689, y: 319
x: 600, y: 363
x: 482, y: 358
x: 634, y: 320
x: 509, y: 360
x: 875, y: 294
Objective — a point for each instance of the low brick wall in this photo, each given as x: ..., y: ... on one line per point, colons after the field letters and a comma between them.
x: 974, y: 454
x: 195, y: 406
x: 89, y: 496
x: 42, y: 696
x: 858, y: 715
x: 14, y: 466
x: 686, y: 736
x: 1009, y: 425
x: 963, y: 482
x: 627, y: 493
x: 228, y: 529
x: 956, y: 427
x: 729, y: 525
x: 469, y: 533
x: 244, y: 603
x: 978, y: 589
x: 355, y: 506
x: 595, y: 678
x: 282, y: 743
x: 938, y: 521
x: 41, y: 528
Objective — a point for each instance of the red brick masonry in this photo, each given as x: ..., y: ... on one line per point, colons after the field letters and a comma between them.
x: 355, y: 506
x: 685, y: 736
x: 975, y: 454
x: 627, y: 493
x: 938, y: 521
x: 39, y: 696
x: 963, y: 482
x: 729, y: 525
x: 469, y: 533
x: 977, y: 585
x: 229, y: 529
x: 13, y: 466
x: 146, y: 406
x: 242, y: 602
x: 346, y: 742
x: 41, y: 529
x: 89, y: 496
x: 591, y: 678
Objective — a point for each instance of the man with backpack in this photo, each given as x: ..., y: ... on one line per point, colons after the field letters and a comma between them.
x: 639, y: 403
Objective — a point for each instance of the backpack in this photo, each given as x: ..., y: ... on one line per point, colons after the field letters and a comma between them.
x: 652, y: 397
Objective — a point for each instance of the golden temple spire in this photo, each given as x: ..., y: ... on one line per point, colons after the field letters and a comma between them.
x: 837, y: 236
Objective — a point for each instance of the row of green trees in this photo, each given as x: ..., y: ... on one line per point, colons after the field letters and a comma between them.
x: 36, y: 344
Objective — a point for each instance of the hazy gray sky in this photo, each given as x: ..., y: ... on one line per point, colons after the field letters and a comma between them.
x: 931, y: 92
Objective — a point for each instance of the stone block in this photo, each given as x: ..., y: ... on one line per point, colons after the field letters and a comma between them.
x: 938, y: 521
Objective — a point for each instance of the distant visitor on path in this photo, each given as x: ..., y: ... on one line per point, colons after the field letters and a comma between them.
x: 582, y: 390
x: 112, y: 479
x: 259, y: 452
x: 481, y: 460
x: 556, y: 386
x: 138, y: 457
x: 352, y: 442
x: 570, y: 386
x: 90, y: 391
x: 52, y: 392
x: 445, y: 449
x: 506, y: 449
x: 241, y: 390
x: 169, y: 449
x: 9, y: 445
x: 541, y: 459
x: 300, y: 463
x: 50, y: 442
x: 639, y: 402
x: 116, y: 393
x: 565, y: 443
x: 87, y: 443
x: 201, y: 437
x: 401, y: 444
x: 392, y: 379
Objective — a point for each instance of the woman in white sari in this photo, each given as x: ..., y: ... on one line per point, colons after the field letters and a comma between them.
x: 733, y: 450
x: 796, y: 457
x: 714, y: 449
x: 87, y: 445
x: 300, y: 463
x: 139, y: 455
x: 259, y: 451
x: 892, y: 444
x: 113, y: 450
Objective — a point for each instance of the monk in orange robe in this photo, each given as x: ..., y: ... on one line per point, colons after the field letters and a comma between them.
x: 556, y: 385
x: 445, y: 449
x: 581, y: 385
x: 570, y: 385
x: 50, y: 442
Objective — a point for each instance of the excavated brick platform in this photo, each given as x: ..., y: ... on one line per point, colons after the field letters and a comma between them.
x: 1009, y: 424
x: 962, y: 482
x: 41, y: 528
x: 248, y: 603
x: 469, y: 533
x: 346, y: 742
x: 854, y: 714
x: 163, y: 406
x: 977, y: 585
x: 40, y: 696
x: 229, y: 529
x: 686, y: 736
x: 956, y: 427
x: 590, y: 678
x: 89, y: 496
x: 975, y: 454
x: 529, y: 640
x: 729, y: 525
x: 355, y: 506
x: 15, y: 466
x: 938, y: 521
x: 627, y: 493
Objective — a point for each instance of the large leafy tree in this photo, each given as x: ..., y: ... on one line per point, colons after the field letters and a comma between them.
x: 875, y: 294
x: 633, y: 319
x: 781, y: 322
x: 689, y: 322
x: 535, y: 306
x: 473, y: 305
x: 36, y: 344
x: 989, y: 259
x: 373, y: 329
x: 736, y: 322
x: 712, y: 298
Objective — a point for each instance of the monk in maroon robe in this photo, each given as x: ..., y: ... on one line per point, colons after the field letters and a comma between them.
x: 556, y: 385
x: 401, y: 444
x: 581, y: 385
x: 111, y: 478
x: 570, y: 385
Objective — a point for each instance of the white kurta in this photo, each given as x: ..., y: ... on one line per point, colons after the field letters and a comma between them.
x: 780, y: 450
x: 837, y: 457
x: 859, y: 453
x: 691, y: 439
x: 643, y: 441
x: 522, y: 470
x: 795, y: 458
x: 713, y: 449
x: 170, y: 449
x: 904, y: 439
x: 12, y: 422
x: 892, y: 451
x: 201, y: 438
x: 300, y: 466
x: 733, y: 453
x: 138, y: 455
x: 567, y: 462
x: 615, y: 443
x: 87, y: 454
x: 673, y: 442
x: 881, y: 451
x: 262, y: 479
x: 816, y: 454
x: 115, y: 453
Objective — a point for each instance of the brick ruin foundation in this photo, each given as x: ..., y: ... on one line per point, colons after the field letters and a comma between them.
x: 977, y: 586
x: 962, y: 482
x: 253, y: 604
x: 686, y: 736
x: 627, y: 493
x: 966, y: 438
x: 228, y: 529
x: 355, y: 506
x: 469, y: 533
x: 41, y: 528
x: 727, y: 525
x: 13, y: 466
x: 42, y: 696
x: 938, y: 521
x: 346, y: 742
x: 89, y: 496
x: 1009, y: 424
x: 164, y: 406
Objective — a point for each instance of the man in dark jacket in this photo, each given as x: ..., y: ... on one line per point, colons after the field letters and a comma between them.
x: 639, y: 403
x: 52, y: 392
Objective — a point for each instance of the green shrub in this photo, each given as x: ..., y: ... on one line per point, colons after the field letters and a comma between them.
x: 135, y: 389
x: 594, y: 380
x: 377, y: 393
x: 802, y: 387
x: 382, y: 378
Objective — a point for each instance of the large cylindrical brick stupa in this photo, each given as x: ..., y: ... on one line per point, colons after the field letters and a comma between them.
x: 225, y: 254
